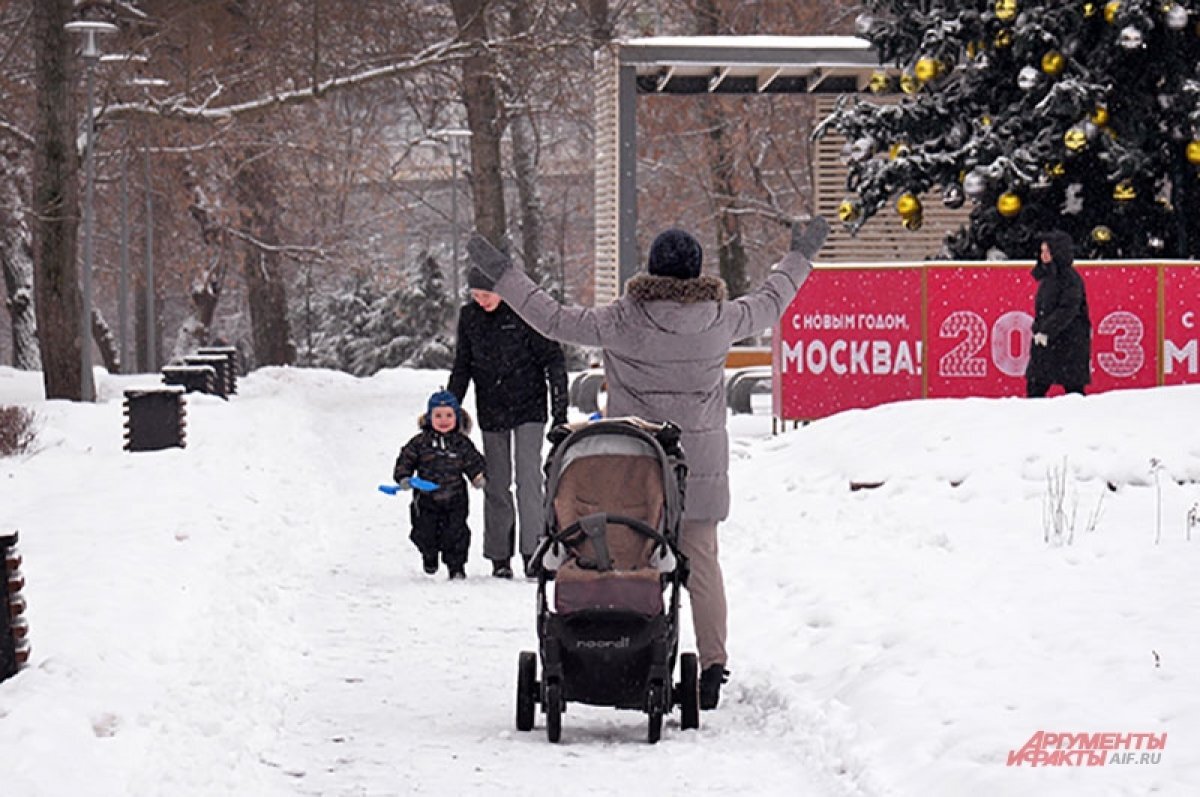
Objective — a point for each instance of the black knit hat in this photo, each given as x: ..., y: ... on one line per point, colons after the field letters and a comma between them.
x: 478, y: 281
x: 675, y: 253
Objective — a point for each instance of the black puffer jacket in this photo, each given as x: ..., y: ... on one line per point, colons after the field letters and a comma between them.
x: 1060, y: 313
x: 443, y: 459
x: 511, y: 366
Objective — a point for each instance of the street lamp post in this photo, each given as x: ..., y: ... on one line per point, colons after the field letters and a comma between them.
x: 454, y: 138
x: 123, y: 281
x: 151, y: 329
x: 91, y: 54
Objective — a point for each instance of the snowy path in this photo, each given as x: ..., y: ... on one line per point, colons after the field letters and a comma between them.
x: 246, y: 616
x: 401, y: 678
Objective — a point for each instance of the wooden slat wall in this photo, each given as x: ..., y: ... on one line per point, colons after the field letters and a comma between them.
x: 607, y: 188
x: 882, y: 238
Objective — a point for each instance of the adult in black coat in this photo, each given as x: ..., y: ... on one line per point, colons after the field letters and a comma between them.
x: 1061, y: 353
x: 513, y: 368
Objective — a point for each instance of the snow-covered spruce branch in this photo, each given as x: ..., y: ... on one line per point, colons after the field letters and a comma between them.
x: 207, y: 111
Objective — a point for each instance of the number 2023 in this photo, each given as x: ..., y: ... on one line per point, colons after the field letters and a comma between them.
x: 1011, y: 336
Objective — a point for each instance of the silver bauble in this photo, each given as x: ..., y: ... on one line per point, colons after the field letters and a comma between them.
x: 1130, y: 38
x: 1177, y: 17
x: 975, y: 184
x: 952, y: 196
x: 1027, y: 78
x: 862, y: 149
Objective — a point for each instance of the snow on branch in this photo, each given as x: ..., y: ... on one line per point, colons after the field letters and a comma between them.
x: 17, y: 133
x: 209, y: 111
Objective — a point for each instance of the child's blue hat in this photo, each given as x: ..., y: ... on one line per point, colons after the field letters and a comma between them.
x: 444, y: 398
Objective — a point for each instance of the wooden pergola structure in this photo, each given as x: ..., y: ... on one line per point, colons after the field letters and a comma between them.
x: 825, y: 66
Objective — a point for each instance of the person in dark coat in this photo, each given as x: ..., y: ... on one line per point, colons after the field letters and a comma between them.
x: 665, y: 342
x: 1061, y: 352
x: 512, y: 368
x: 435, y: 464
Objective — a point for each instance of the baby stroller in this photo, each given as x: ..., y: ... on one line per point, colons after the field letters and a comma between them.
x: 614, y: 503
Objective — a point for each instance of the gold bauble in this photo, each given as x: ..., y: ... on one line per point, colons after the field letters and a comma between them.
x: 880, y: 82
x: 1006, y: 9
x: 1056, y: 169
x: 1075, y: 139
x: 850, y: 210
x: 1099, y: 116
x: 985, y: 120
x: 1124, y: 191
x: 1101, y: 234
x: 898, y: 150
x: 913, y: 223
x: 1053, y: 63
x: 974, y: 47
x: 1089, y: 9
x: 908, y: 83
x: 926, y: 69
x: 1003, y: 38
x: 1110, y: 11
x: 1009, y: 204
x: 908, y: 206
x: 1193, y: 153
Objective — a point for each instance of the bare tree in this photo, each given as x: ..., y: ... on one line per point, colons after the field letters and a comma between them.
x: 56, y: 202
x: 16, y: 261
x: 480, y: 98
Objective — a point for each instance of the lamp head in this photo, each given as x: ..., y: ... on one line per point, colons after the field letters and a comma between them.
x: 89, y: 29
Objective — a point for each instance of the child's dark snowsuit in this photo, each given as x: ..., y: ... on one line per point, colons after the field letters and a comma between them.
x: 439, y: 518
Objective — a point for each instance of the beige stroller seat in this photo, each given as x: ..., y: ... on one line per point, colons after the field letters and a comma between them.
x: 609, y: 565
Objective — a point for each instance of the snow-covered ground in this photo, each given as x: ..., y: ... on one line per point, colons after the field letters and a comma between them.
x: 246, y: 616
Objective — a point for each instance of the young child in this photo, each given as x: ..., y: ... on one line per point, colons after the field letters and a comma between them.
x: 433, y: 464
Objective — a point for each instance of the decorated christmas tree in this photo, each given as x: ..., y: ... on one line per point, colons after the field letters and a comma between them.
x: 1080, y: 116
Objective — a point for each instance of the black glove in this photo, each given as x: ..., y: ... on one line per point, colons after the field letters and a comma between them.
x: 809, y: 239
x: 486, y: 260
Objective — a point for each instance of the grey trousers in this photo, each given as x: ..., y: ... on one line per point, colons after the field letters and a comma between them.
x: 522, y: 446
x: 706, y: 589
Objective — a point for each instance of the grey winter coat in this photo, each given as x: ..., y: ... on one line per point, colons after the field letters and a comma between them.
x: 665, y: 343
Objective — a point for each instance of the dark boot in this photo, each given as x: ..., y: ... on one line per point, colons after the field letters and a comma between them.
x: 457, y: 572
x: 430, y: 562
x: 710, y: 685
x: 501, y: 568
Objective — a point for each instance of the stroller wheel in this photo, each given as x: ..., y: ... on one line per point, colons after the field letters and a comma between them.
x: 655, y: 709
x: 526, y: 689
x: 689, y: 692
x: 552, y: 702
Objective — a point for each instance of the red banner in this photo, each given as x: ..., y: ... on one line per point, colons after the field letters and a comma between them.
x: 1181, y: 325
x: 857, y: 336
x: 980, y: 318
x: 851, y: 338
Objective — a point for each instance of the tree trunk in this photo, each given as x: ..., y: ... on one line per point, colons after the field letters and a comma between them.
x: 525, y: 154
x: 196, y: 330
x: 205, y: 294
x: 16, y: 263
x: 481, y: 100
x: 731, y: 249
x: 56, y: 202
x: 106, y: 343
x: 255, y: 186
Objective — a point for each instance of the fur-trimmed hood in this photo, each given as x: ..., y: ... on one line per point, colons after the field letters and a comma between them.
x: 651, y: 288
